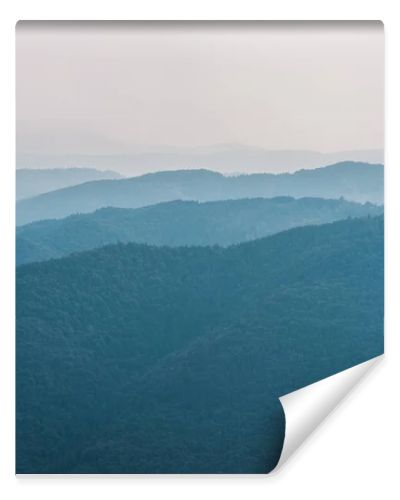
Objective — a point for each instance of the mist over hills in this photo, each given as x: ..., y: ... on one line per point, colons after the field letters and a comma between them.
x: 32, y: 182
x: 225, y: 158
x: 134, y: 358
x: 180, y: 223
x: 359, y: 182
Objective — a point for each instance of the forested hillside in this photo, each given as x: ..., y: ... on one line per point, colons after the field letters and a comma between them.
x: 135, y: 358
x: 359, y: 182
x: 180, y: 223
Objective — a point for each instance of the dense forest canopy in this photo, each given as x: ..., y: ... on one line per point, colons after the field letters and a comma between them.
x: 180, y: 223
x: 354, y: 181
x: 137, y: 358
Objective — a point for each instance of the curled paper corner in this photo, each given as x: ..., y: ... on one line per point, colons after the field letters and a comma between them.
x: 308, y: 407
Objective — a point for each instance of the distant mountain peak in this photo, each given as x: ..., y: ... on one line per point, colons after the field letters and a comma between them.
x: 33, y: 182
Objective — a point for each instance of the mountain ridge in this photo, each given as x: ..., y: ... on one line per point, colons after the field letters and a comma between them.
x: 354, y: 181
x: 33, y: 182
x: 179, y: 223
x: 226, y: 158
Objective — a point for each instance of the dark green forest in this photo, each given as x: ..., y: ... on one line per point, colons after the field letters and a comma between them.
x: 133, y: 358
x: 180, y: 223
x: 354, y: 181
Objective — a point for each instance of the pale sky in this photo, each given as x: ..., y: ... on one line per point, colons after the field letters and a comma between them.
x: 109, y: 88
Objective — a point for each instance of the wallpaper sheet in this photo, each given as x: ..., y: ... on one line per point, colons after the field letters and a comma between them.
x: 199, y: 240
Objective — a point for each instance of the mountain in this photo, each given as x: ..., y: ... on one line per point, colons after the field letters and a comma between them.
x: 180, y: 223
x: 225, y: 158
x: 355, y: 181
x: 134, y: 358
x: 32, y: 182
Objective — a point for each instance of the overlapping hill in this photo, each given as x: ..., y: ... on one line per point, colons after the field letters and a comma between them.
x: 136, y: 358
x: 33, y: 182
x: 354, y: 181
x: 180, y: 223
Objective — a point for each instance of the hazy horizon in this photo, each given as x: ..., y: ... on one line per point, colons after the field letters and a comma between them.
x: 225, y: 159
x: 124, y: 88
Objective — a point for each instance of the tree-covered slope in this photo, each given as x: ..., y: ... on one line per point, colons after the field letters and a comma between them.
x: 180, y: 223
x: 359, y: 182
x: 133, y: 358
x: 33, y: 182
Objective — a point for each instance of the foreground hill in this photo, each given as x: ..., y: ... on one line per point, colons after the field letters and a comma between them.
x: 133, y: 358
x: 359, y: 182
x: 32, y: 182
x: 180, y: 223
